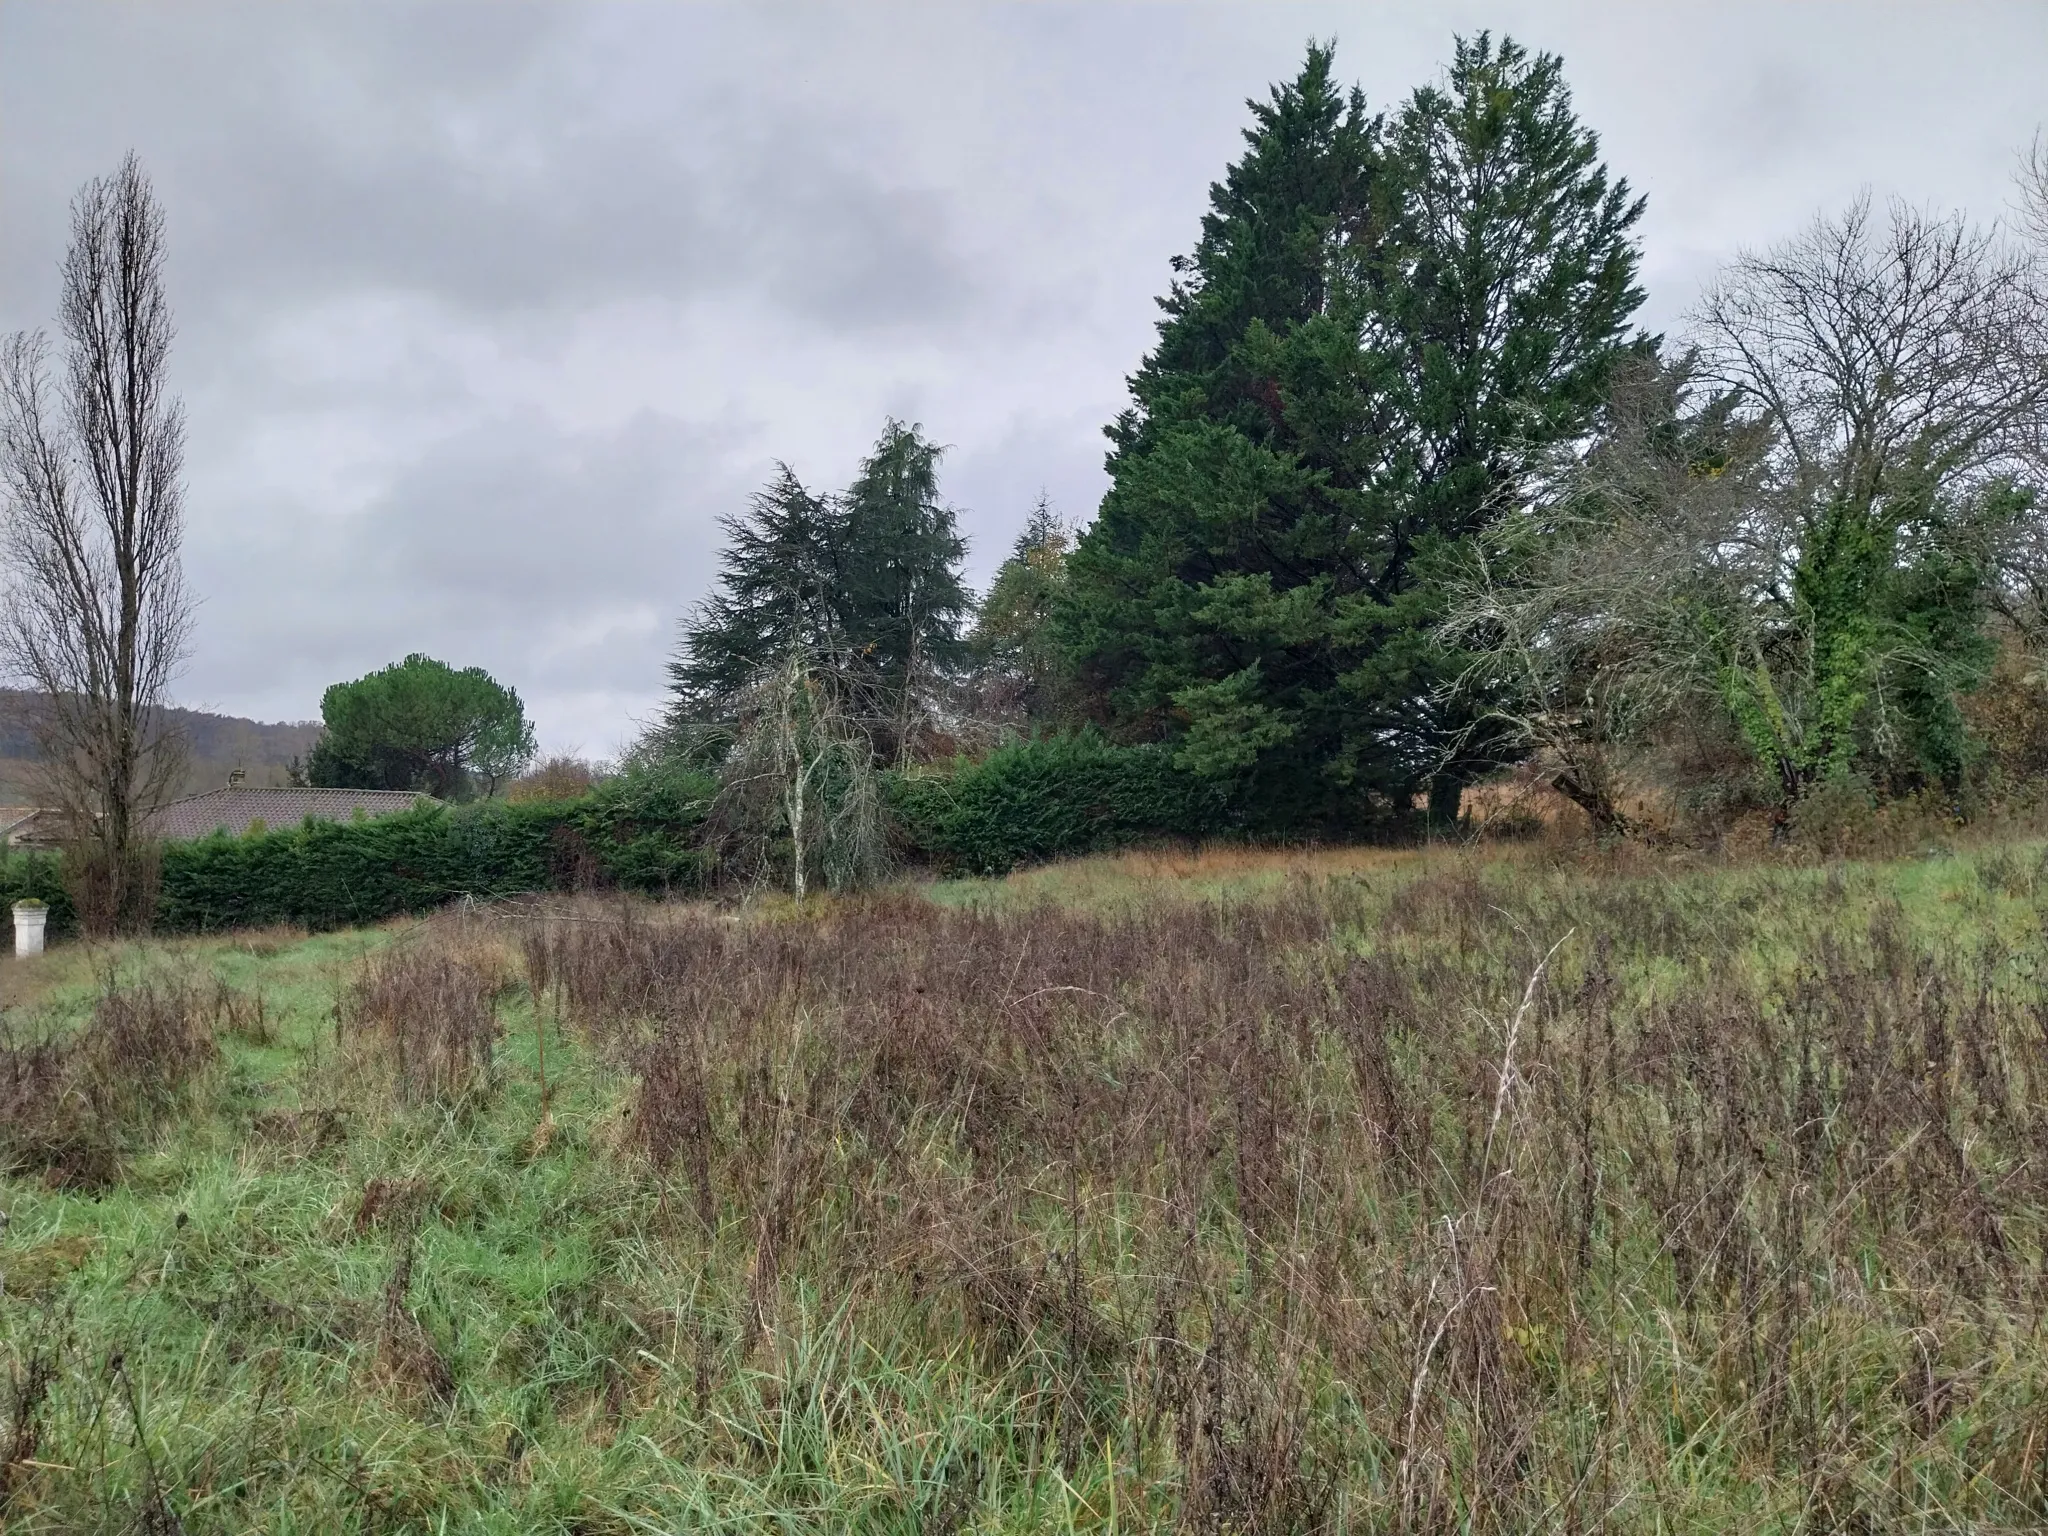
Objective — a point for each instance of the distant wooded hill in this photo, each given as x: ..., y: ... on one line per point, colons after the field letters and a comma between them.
x: 219, y: 743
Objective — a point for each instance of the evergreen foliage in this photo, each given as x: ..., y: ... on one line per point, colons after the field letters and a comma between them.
x: 1504, y: 291
x: 1031, y: 800
x: 1379, y: 331
x: 1862, y: 673
x: 1022, y: 671
x: 778, y: 585
x: 419, y: 724
x: 902, y: 599
x: 636, y: 833
x: 869, y: 578
x: 1230, y: 550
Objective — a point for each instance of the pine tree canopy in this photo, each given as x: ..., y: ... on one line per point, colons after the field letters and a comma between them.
x: 870, y: 578
x: 1380, y: 329
x: 902, y: 597
x: 420, y: 724
x: 778, y: 586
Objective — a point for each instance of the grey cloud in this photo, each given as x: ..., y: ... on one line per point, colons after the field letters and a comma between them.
x: 598, y: 218
x: 422, y: 167
x: 556, y: 561
x: 488, y: 310
x: 999, y: 479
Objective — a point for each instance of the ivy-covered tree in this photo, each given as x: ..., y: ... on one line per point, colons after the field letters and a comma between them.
x: 420, y: 724
x: 1788, y: 541
x: 1380, y: 330
x: 1899, y: 367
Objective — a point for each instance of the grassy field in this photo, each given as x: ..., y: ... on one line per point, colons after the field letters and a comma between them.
x: 1354, y: 1190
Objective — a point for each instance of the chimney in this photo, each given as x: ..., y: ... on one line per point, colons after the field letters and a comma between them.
x: 235, y: 778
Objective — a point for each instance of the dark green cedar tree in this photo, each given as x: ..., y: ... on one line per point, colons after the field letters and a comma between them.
x: 866, y: 582
x: 778, y: 585
x: 901, y: 594
x: 1204, y: 603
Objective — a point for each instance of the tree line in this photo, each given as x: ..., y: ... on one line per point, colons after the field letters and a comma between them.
x: 1403, y: 496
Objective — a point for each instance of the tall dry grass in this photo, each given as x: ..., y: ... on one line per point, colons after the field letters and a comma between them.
x: 1507, y: 1205
x: 1422, y: 1194
x: 72, y: 1100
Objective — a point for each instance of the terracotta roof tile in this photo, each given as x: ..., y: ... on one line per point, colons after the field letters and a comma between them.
x: 237, y: 810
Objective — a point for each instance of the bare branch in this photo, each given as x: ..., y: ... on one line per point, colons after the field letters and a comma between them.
x: 92, y: 474
x: 2033, y: 185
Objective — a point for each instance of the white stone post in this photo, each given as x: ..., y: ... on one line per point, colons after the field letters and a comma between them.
x: 30, y: 917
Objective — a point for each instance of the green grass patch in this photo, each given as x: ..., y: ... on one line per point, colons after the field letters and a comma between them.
x: 1233, y: 1190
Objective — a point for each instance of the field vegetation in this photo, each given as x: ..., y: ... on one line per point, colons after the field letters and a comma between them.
x: 1672, y: 1159
x: 1354, y: 1190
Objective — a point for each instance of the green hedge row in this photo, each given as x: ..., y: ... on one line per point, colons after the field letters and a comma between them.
x: 1044, y: 798
x: 1028, y: 801
x: 633, y: 835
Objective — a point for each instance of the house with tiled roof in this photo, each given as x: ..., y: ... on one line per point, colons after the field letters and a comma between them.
x: 240, y: 808
x: 18, y: 826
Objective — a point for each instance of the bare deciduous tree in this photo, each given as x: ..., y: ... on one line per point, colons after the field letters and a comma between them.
x: 1884, y: 356
x: 1582, y: 613
x: 2022, y: 594
x: 92, y: 468
x: 800, y: 766
x: 1808, y: 564
x: 2033, y: 180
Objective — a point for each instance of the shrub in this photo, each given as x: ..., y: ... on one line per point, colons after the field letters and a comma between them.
x: 434, y: 1016
x: 2009, y: 715
x: 559, y: 778
x: 72, y: 1101
x: 1039, y: 799
x: 37, y: 876
x: 639, y: 832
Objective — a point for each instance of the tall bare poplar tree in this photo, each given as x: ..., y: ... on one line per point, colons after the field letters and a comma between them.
x: 91, y: 466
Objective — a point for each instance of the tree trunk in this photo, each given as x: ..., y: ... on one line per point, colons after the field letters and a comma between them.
x: 1446, y: 800
x: 1596, y: 801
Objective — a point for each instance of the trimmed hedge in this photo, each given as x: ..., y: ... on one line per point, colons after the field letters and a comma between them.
x: 634, y: 835
x: 1026, y: 802
x: 1040, y: 799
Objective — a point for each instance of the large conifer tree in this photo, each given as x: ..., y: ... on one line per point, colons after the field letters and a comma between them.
x: 1229, y: 552
x: 1378, y: 329
x: 867, y: 584
x: 900, y: 592
x: 778, y: 586
x: 1504, y: 292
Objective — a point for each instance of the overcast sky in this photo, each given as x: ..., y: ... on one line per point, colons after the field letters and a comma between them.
x: 487, y: 311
